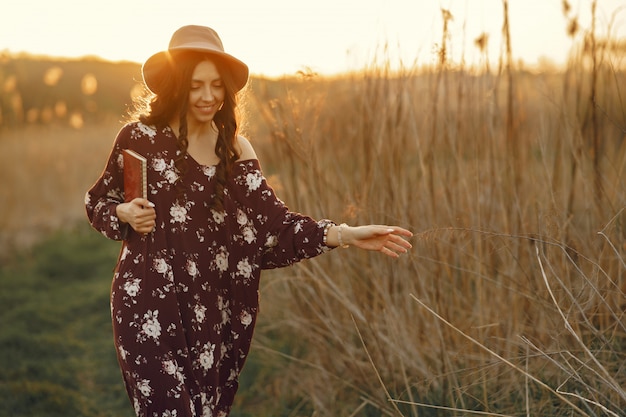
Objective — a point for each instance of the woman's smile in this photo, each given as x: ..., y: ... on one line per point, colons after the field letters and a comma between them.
x: 206, y: 93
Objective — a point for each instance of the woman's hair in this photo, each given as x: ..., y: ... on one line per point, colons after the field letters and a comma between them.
x: 171, y: 101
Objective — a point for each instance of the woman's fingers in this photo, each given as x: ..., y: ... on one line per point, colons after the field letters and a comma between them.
x: 143, y: 203
x: 403, y: 232
x: 399, y: 248
x: 393, y: 249
x: 396, y: 244
x: 139, y: 214
x: 144, y: 216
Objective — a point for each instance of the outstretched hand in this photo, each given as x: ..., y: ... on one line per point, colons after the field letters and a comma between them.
x: 389, y: 240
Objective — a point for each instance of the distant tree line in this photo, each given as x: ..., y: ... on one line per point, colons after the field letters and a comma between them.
x: 44, y: 90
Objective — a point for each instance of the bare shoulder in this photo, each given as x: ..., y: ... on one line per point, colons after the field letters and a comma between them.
x: 246, y: 149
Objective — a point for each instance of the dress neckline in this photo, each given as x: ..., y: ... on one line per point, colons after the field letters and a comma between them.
x: 189, y: 157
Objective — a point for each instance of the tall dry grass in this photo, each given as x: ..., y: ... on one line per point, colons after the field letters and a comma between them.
x: 512, y: 301
x: 45, y: 171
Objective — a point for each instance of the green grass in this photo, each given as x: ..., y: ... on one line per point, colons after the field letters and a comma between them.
x: 57, y: 350
x: 58, y: 357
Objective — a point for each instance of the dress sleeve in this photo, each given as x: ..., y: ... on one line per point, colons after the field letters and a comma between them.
x: 108, y: 191
x: 292, y: 237
x: 288, y: 237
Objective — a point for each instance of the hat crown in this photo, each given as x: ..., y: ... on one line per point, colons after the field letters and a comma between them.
x: 192, y: 37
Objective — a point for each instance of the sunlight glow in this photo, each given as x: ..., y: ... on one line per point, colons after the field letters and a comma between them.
x: 52, y: 76
x: 278, y: 37
x: 89, y: 85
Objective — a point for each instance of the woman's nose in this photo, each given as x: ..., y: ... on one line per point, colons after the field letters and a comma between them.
x: 207, y: 94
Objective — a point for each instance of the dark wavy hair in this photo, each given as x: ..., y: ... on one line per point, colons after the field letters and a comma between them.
x: 171, y: 101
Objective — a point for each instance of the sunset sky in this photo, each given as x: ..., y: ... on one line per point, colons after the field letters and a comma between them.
x: 276, y: 37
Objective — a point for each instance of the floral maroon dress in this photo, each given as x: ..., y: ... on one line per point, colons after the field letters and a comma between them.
x: 184, y: 298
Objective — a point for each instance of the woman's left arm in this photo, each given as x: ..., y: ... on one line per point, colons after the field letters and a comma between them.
x: 292, y: 236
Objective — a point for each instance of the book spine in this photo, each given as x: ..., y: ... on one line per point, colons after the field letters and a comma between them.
x: 144, y: 179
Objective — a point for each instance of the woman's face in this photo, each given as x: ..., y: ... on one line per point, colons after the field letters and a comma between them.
x: 206, y: 93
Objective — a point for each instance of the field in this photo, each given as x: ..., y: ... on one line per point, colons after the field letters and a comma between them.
x: 511, y: 302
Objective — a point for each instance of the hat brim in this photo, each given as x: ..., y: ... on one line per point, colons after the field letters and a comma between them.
x: 158, y: 66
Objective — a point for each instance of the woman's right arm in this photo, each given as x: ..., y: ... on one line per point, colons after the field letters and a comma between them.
x: 103, y: 198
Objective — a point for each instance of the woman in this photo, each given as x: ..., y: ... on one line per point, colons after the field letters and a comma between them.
x: 184, y: 297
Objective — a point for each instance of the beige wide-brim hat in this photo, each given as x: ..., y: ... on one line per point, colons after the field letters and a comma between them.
x: 195, y: 38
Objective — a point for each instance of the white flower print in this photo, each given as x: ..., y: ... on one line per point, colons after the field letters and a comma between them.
x: 271, y: 241
x: 151, y: 326
x: 248, y: 235
x: 206, y: 356
x: 125, y: 253
x: 123, y: 352
x: 165, y: 167
x: 170, y: 413
x: 244, y: 268
x: 144, y: 387
x: 171, y: 176
x: 221, y: 259
x: 159, y: 165
x: 136, y: 406
x: 242, y: 219
x: 132, y: 287
x: 113, y: 223
x: 149, y: 131
x: 197, y: 187
x: 200, y: 311
x: 161, y: 266
x: 254, y: 180
x: 207, y: 409
x: 222, y: 306
x: 178, y: 213
x: 209, y: 171
x: 169, y: 366
x: 192, y: 268
x: 245, y: 318
x: 218, y: 216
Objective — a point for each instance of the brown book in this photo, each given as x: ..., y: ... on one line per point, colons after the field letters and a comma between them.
x: 135, y: 175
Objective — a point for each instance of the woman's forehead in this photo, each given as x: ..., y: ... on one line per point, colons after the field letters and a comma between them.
x: 205, y: 70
